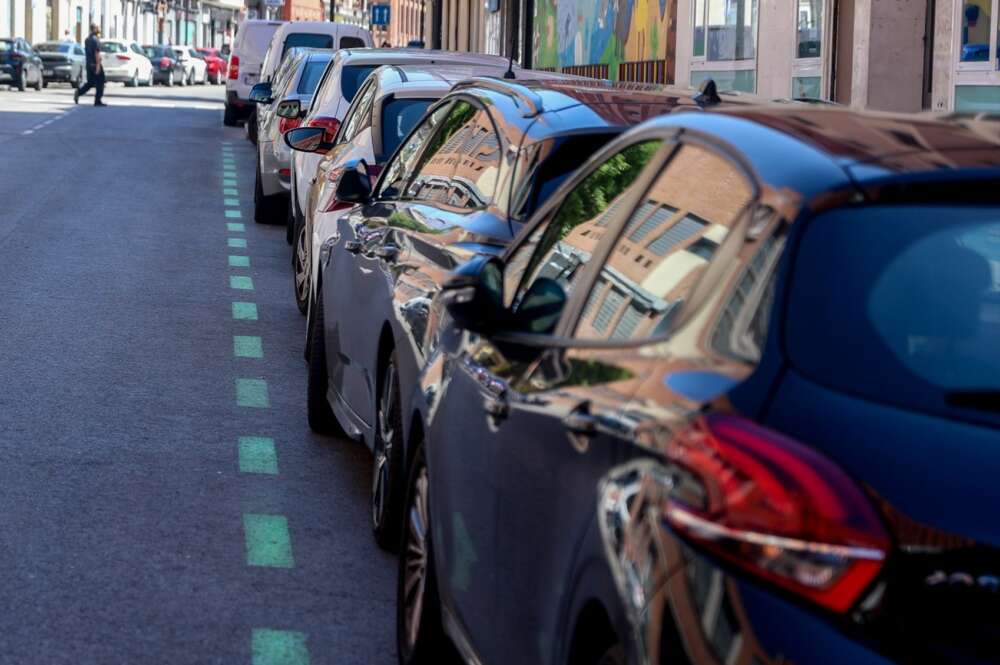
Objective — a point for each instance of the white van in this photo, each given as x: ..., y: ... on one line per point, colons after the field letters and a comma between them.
x: 249, y: 49
x: 311, y: 34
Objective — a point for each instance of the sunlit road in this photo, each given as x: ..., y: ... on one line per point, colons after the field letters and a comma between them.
x: 163, y: 500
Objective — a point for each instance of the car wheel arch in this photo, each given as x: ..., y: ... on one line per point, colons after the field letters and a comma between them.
x: 593, y: 633
x: 386, y: 345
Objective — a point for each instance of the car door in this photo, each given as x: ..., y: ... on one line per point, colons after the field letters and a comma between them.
x: 492, y: 406
x: 570, y: 420
x: 348, y: 269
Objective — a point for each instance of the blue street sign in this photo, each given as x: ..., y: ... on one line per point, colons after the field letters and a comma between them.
x: 380, y: 14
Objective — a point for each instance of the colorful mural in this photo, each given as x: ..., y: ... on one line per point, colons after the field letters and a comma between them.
x: 586, y: 32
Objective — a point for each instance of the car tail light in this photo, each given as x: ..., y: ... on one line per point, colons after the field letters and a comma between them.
x: 288, y: 123
x: 123, y: 57
x: 164, y: 63
x: 234, y: 68
x: 285, y: 172
x: 776, y: 508
x: 331, y: 125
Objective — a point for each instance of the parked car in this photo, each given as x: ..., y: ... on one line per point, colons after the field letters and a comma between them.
x: 282, y: 100
x: 20, y: 65
x: 167, y: 67
x: 249, y: 47
x: 215, y: 63
x: 336, y: 91
x: 195, y: 67
x: 390, y: 103
x: 692, y: 414
x: 126, y: 62
x: 463, y: 183
x: 62, y: 62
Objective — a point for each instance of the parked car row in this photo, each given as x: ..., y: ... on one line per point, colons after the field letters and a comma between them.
x: 649, y: 375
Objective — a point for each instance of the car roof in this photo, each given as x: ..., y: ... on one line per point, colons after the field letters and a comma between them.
x: 431, y: 78
x: 400, y: 56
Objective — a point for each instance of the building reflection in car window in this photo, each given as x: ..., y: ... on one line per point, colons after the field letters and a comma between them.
x: 555, y: 250
x: 665, y: 247
x: 399, y: 170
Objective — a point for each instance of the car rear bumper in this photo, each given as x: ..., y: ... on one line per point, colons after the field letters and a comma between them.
x: 241, y: 107
x: 58, y: 73
x: 9, y: 73
x: 271, y: 181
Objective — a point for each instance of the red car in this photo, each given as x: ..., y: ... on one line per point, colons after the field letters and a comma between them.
x: 217, y: 65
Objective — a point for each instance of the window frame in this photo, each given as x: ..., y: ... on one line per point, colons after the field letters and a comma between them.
x: 702, y: 63
x: 974, y: 73
x: 817, y: 66
x: 445, y: 103
x: 342, y: 137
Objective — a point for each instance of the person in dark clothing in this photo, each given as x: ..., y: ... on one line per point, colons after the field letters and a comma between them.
x: 95, y: 70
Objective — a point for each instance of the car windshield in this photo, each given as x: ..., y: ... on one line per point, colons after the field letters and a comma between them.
x: 54, y: 47
x: 311, y: 75
x: 113, y: 47
x: 309, y: 40
x: 398, y: 117
x: 351, y: 79
x: 5, y: 44
x: 892, y: 296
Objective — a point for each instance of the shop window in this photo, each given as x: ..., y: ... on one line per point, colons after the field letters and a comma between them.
x: 810, y: 36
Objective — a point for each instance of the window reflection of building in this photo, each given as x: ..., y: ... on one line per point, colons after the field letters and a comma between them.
x: 665, y: 247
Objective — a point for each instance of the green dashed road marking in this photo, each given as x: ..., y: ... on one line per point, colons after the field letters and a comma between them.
x: 229, y: 191
x: 252, y: 393
x: 237, y: 242
x: 235, y: 226
x: 233, y: 214
x: 239, y: 261
x: 244, y: 311
x: 232, y: 202
x: 240, y: 282
x: 257, y: 455
x: 248, y: 346
x: 278, y: 647
x: 229, y: 182
x: 267, y: 541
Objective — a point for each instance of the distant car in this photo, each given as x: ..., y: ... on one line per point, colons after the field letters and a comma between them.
x: 20, y: 65
x: 126, y: 62
x: 62, y: 62
x: 167, y: 67
x: 248, y: 51
x: 215, y: 63
x: 291, y: 91
x: 195, y: 67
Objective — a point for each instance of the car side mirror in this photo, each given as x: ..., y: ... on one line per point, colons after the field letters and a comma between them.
x: 306, y: 139
x: 473, y: 295
x: 288, y: 108
x: 354, y: 185
x: 261, y: 93
x: 540, y: 308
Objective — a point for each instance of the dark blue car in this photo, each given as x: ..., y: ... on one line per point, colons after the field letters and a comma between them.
x: 731, y: 396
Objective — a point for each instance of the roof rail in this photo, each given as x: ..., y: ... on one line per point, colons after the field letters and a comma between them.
x: 529, y: 102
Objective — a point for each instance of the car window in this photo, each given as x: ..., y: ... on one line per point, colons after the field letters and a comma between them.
x: 399, y: 170
x: 459, y: 168
x: 665, y: 247
x: 78, y: 50
x: 135, y: 49
x: 399, y: 116
x: 4, y: 45
x: 352, y: 42
x: 351, y: 79
x: 359, y: 115
x: 308, y: 40
x: 311, y: 75
x: 919, y: 307
x: 112, y: 47
x: 561, y: 245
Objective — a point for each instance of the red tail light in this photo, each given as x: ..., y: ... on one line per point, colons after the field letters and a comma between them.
x: 123, y: 57
x: 777, y: 509
x: 331, y: 125
x: 288, y: 123
x: 234, y: 68
x: 164, y: 63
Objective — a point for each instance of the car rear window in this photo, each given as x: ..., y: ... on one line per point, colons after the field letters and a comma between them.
x: 112, y: 47
x: 311, y: 75
x: 351, y: 79
x: 398, y: 117
x: 308, y: 40
x: 900, y: 304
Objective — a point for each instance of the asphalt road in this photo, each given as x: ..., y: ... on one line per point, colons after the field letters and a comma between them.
x: 162, y: 498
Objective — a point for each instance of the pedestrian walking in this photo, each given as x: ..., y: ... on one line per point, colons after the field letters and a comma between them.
x: 95, y: 70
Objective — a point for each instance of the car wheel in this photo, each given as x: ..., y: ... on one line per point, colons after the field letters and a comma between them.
x: 170, y: 79
x: 302, y: 268
x: 45, y: 84
x: 265, y: 208
x: 77, y: 82
x: 190, y: 78
x: 22, y: 81
x: 134, y: 81
x: 386, y: 469
x: 40, y: 82
x: 318, y: 411
x: 420, y: 638
x: 229, y: 117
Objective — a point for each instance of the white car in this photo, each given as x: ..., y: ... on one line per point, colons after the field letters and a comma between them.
x: 195, y: 67
x: 343, y: 78
x: 249, y: 49
x: 125, y: 61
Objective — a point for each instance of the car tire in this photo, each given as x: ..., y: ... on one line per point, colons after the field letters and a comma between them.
x: 22, y: 81
x: 45, y: 84
x: 134, y: 81
x: 169, y: 81
x: 420, y: 637
x: 77, y: 82
x: 613, y: 655
x: 40, y: 82
x: 301, y: 268
x: 318, y: 411
x: 190, y: 77
x: 386, y: 497
x: 229, y: 118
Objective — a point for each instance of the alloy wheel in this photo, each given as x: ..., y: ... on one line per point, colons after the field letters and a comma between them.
x: 416, y: 553
x: 384, y: 442
x: 303, y: 268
